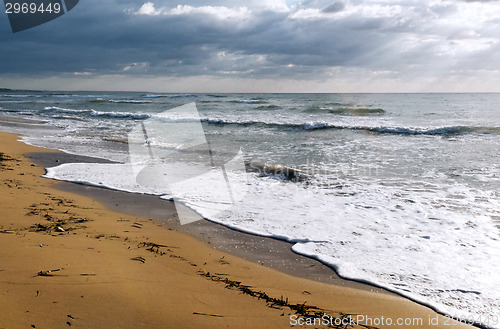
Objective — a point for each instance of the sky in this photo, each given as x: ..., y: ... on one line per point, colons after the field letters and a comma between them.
x: 259, y: 46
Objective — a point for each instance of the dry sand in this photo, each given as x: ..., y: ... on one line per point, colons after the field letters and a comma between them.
x: 68, y: 261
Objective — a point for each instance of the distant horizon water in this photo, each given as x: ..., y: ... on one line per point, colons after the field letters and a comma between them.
x: 201, y: 92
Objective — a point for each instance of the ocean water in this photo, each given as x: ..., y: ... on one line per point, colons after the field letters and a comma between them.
x: 398, y: 190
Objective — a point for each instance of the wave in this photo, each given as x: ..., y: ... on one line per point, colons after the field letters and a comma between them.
x: 62, y: 95
x: 120, y: 101
x: 358, y: 111
x: 446, y: 130
x: 56, y: 109
x: 216, y: 95
x: 98, y: 100
x: 57, y: 95
x: 168, y: 96
x: 431, y: 131
x: 344, y: 110
x: 129, y: 101
x: 249, y: 101
x: 11, y: 110
x: 120, y: 115
x: 17, y: 101
x: 22, y: 96
x: 64, y: 117
x: 315, y: 109
x: 269, y: 107
x: 93, y: 113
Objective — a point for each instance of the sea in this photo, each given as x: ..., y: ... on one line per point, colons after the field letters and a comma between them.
x: 401, y: 191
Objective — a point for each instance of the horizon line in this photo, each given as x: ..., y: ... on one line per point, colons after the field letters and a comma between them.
x: 2, y: 90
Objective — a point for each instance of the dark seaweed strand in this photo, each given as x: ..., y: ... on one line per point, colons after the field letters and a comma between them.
x: 303, y: 310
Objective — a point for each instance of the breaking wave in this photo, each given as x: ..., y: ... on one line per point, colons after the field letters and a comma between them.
x: 346, y: 110
x: 93, y: 113
x: 129, y: 101
x: 445, y: 130
x: 168, y: 96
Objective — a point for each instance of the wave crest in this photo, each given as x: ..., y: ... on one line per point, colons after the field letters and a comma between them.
x: 346, y: 110
x: 445, y: 130
x: 93, y: 113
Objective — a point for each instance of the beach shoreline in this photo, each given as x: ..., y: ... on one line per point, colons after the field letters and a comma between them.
x: 74, y: 226
x: 270, y: 252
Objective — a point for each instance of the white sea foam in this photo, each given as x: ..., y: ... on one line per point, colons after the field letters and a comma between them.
x: 371, y: 234
x: 168, y: 95
x: 120, y: 115
x: 94, y: 113
x: 112, y: 176
x: 129, y: 101
x: 22, y: 96
x: 57, y: 109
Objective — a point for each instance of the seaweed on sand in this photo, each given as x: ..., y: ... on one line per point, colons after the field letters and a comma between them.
x: 303, y: 310
x: 3, y: 158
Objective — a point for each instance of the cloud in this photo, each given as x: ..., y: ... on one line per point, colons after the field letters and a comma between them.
x: 148, y: 8
x: 220, y: 12
x: 307, y: 40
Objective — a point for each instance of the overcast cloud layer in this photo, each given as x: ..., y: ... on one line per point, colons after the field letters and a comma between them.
x: 315, y: 45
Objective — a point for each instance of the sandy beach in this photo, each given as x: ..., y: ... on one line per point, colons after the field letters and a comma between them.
x: 69, y: 260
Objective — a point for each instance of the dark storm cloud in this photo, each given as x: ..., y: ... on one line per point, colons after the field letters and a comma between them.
x: 106, y: 39
x: 202, y: 39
